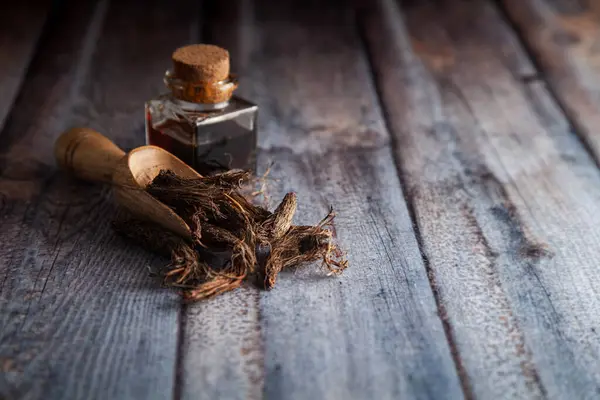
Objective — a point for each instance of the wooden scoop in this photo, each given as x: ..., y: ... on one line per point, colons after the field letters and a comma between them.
x: 92, y: 156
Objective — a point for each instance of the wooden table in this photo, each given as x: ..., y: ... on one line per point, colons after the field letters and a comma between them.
x: 458, y: 141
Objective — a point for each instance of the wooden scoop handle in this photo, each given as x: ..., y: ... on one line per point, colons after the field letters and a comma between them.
x: 87, y: 154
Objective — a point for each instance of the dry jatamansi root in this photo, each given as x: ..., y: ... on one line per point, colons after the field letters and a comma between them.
x: 303, y: 244
x: 230, y: 235
x: 185, y: 264
x: 212, y: 288
x: 280, y: 221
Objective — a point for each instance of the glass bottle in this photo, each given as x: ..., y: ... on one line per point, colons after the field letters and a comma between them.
x: 200, y: 121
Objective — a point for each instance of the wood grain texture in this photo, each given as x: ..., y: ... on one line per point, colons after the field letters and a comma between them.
x: 504, y: 195
x: 21, y: 24
x: 374, y: 332
x: 81, y: 318
x: 564, y: 37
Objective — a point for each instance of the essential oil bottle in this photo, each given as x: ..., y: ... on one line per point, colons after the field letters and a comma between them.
x: 200, y: 120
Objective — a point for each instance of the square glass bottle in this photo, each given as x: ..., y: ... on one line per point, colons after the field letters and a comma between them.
x: 200, y: 121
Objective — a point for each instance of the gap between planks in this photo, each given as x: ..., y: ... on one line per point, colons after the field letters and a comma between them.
x: 545, y: 74
x: 563, y: 39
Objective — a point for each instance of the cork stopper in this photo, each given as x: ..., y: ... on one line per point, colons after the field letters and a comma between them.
x: 201, y: 63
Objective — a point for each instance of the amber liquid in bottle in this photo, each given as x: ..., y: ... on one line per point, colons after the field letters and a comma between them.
x: 208, y: 140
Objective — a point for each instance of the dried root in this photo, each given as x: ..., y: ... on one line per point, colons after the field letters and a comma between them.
x: 304, y: 244
x: 278, y: 223
x: 233, y: 239
x: 185, y: 266
x: 212, y: 288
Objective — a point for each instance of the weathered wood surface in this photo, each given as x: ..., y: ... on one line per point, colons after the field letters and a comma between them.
x: 374, y: 331
x: 564, y: 37
x: 504, y: 196
x: 81, y: 318
x: 21, y: 24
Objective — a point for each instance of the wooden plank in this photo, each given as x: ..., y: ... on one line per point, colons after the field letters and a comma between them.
x: 80, y: 316
x: 21, y: 24
x: 373, y: 332
x: 504, y: 196
x: 564, y: 37
x: 222, y: 354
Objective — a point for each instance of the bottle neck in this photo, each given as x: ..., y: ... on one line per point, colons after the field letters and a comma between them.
x: 204, y: 96
x: 200, y: 107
